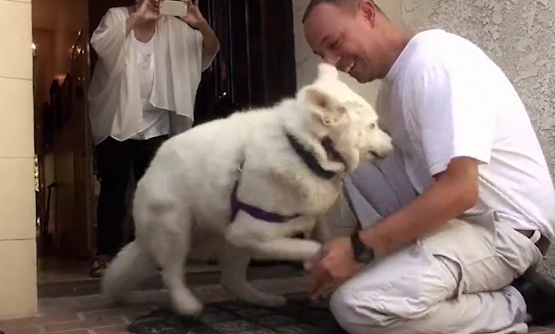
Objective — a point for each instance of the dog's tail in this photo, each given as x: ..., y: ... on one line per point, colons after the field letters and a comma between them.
x: 131, y: 267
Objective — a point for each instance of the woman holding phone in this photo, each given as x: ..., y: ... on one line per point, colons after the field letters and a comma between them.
x: 142, y: 91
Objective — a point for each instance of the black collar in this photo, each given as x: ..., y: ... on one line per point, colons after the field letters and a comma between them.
x: 310, y: 160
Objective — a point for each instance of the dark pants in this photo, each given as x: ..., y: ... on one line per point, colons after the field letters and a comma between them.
x: 116, y: 162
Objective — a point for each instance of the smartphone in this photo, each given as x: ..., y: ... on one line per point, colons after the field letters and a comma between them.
x: 173, y: 8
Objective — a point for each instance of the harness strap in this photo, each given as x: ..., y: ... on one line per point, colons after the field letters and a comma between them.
x: 253, y: 211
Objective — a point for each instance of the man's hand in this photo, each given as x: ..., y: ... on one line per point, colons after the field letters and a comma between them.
x: 331, y: 267
x: 194, y: 17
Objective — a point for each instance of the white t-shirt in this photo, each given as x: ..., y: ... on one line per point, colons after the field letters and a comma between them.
x: 445, y: 98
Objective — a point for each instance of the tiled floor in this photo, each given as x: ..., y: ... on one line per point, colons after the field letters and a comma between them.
x: 95, y: 315
x: 54, y: 269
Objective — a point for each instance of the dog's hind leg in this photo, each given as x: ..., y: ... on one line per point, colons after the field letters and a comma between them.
x: 170, y: 249
x: 235, y: 262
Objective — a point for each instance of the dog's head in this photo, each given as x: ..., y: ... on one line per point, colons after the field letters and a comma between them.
x: 342, y: 121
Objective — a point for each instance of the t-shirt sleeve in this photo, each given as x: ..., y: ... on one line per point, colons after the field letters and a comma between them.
x: 454, y: 114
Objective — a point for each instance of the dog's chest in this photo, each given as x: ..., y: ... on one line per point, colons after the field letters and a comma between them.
x: 312, y: 195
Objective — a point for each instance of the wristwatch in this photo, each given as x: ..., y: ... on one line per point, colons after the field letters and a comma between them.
x: 363, y: 253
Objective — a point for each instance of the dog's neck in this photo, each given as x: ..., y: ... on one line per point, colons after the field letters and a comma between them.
x: 308, y: 157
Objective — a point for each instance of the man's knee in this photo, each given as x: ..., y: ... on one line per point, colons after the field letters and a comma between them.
x: 385, y: 306
x: 356, y: 312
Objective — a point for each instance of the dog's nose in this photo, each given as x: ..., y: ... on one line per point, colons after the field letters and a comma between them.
x: 376, y: 155
x: 380, y: 154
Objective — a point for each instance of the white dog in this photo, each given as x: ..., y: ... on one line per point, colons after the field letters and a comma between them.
x: 252, y: 180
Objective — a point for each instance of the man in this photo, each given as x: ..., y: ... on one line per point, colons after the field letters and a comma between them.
x: 466, y: 149
x: 142, y: 91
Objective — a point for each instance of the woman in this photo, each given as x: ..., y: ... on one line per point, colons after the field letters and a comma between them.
x: 142, y: 91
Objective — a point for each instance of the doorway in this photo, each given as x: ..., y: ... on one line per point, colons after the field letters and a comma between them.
x: 255, y: 66
x: 64, y: 196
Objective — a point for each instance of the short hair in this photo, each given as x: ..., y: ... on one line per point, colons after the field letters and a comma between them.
x: 339, y: 3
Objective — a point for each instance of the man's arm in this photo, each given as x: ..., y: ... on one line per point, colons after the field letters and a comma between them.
x: 455, y: 191
x: 211, y: 44
x: 456, y: 116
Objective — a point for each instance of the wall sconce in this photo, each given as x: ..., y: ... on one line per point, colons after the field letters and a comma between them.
x: 34, y: 48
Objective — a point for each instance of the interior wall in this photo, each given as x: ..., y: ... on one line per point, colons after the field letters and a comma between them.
x: 65, y: 18
x: 44, y: 64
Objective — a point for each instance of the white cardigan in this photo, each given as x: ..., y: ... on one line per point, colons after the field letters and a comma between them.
x: 115, y: 107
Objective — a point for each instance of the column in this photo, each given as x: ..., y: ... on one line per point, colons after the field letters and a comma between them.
x: 18, y: 271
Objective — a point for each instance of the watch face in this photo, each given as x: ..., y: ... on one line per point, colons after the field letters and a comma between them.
x: 363, y: 254
x: 366, y: 256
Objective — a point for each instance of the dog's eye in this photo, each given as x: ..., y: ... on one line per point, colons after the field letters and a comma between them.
x: 372, y: 126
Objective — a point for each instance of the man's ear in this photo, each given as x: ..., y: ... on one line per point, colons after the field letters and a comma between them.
x: 324, y: 107
x: 327, y: 71
x: 369, y: 10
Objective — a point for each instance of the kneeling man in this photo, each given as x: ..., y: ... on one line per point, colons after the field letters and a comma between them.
x: 468, y: 204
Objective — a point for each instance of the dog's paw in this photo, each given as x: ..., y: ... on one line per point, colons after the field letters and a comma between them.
x: 188, y: 306
x: 272, y: 301
x: 313, y: 247
x: 307, y: 265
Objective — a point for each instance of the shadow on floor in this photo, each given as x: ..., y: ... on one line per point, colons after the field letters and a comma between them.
x: 299, y: 316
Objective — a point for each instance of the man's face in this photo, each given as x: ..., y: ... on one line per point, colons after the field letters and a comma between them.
x: 346, y: 38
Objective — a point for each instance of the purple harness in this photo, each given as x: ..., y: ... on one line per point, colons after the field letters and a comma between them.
x: 311, y: 163
x: 253, y: 211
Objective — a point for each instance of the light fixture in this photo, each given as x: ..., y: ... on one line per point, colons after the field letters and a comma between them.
x: 34, y: 48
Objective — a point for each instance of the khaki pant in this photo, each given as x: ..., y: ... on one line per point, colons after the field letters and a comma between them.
x: 454, y: 281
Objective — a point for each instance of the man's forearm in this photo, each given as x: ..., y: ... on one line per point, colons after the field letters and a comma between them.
x: 443, y: 201
x: 211, y: 44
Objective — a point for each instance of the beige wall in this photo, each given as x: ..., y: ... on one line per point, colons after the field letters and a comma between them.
x: 18, y: 292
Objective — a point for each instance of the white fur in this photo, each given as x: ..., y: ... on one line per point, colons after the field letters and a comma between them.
x: 182, y: 204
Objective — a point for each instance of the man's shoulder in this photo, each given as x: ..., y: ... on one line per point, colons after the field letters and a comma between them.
x: 438, y: 44
x: 436, y: 53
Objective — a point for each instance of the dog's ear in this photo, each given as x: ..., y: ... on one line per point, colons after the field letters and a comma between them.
x: 324, y: 107
x: 327, y: 70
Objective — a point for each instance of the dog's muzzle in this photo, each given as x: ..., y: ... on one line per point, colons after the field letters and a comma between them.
x: 377, y: 155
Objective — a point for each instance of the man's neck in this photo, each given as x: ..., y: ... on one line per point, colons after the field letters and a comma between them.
x: 396, y: 44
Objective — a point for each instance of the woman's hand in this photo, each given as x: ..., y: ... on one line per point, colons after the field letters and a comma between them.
x: 194, y: 17
x: 147, y: 11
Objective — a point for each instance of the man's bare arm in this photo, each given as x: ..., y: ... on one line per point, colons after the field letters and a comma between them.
x: 454, y: 192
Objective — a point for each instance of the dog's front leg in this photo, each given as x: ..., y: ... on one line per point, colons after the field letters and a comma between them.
x: 287, y: 249
x: 235, y: 262
x: 271, y: 240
